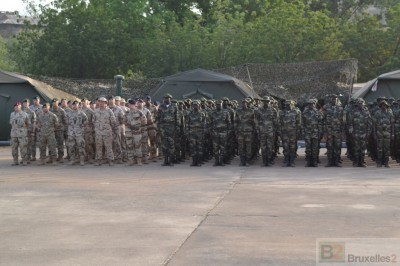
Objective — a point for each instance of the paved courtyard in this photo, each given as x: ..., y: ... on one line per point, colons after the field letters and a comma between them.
x: 181, y: 215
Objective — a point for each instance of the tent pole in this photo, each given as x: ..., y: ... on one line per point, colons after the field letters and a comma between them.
x: 248, y: 73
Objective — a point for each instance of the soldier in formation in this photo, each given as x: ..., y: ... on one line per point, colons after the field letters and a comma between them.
x: 107, y: 131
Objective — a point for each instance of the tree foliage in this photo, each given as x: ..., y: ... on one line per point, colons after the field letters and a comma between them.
x: 153, y: 38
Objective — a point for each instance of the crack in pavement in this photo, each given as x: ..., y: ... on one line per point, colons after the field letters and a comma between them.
x: 226, y: 192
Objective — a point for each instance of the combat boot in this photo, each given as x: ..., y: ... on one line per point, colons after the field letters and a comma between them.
x: 292, y: 157
x: 24, y: 163
x: 144, y: 160
x: 98, y: 162
x: 309, y: 163
x: 41, y: 162
x: 129, y: 163
x: 338, y: 163
x: 54, y: 162
x: 72, y: 162
x: 82, y: 162
x: 139, y: 161
x: 60, y: 159
x: 285, y: 161
x: 110, y: 162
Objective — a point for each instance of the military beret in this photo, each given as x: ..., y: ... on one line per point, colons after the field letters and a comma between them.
x: 203, y: 99
x: 196, y: 102
x: 225, y: 98
x: 140, y: 101
x: 92, y: 102
x: 218, y: 102
x: 180, y: 102
x: 46, y: 105
x: 131, y: 101
x: 69, y: 101
x: 102, y: 99
x: 26, y: 101
x: 167, y: 95
x: 36, y: 97
x: 110, y: 97
x: 310, y: 101
x: 148, y: 97
x: 75, y: 102
x: 63, y: 99
x: 54, y: 100
x: 118, y: 98
x: 85, y: 99
x: 17, y: 103
x: 234, y: 101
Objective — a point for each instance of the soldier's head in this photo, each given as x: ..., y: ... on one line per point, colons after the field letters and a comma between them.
x: 93, y: 105
x: 36, y: 100
x: 102, y: 101
x: 117, y: 100
x: 334, y: 99
x: 54, y: 103
x: 75, y: 105
x: 140, y: 103
x: 218, y: 104
x: 266, y: 100
x: 287, y: 104
x: 25, y: 103
x: 196, y: 105
x: 64, y: 102
x: 245, y: 103
x: 147, y: 100
x: 383, y: 105
x: 225, y: 101
x: 167, y: 98
x: 132, y: 104
x: 111, y: 100
x: 17, y: 107
x: 69, y: 103
x: 45, y: 107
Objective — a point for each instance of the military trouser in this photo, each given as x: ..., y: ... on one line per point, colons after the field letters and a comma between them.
x: 312, y: 147
x: 334, y: 147
x: 50, y: 141
x: 90, y: 145
x: 30, y: 139
x: 134, y: 145
x: 167, y: 133
x: 289, y: 142
x: 244, y: 140
x: 76, y: 143
x: 196, y: 142
x: 219, y: 143
x: 104, y: 141
x: 66, y: 141
x: 22, y: 144
x: 35, y: 139
x: 60, y: 138
x: 116, y: 144
x: 145, y: 143
x: 359, y: 147
x: 152, y: 140
x: 267, y: 145
x: 123, y: 146
x: 382, y: 146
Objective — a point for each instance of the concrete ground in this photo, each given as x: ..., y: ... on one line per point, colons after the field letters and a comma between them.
x: 181, y: 215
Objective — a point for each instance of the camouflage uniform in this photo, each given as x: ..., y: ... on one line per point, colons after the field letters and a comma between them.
x: 384, y: 131
x: 359, y: 127
x: 31, y: 131
x: 312, y: 128
x: 166, y: 124
x: 135, y: 127
x: 104, y: 121
x: 37, y: 109
x: 289, y: 128
x: 76, y: 121
x: 145, y: 135
x: 267, y: 123
x: 396, y: 125
x: 117, y: 128
x: 89, y: 138
x: 196, y: 123
x: 244, y: 126
x: 151, y: 130
x: 47, y: 124
x: 59, y: 131
x: 20, y: 123
x: 220, y: 124
x: 333, y: 129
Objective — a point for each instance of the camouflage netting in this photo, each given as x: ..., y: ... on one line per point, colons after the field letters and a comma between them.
x: 298, y: 81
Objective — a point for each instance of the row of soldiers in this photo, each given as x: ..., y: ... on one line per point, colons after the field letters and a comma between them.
x: 136, y: 131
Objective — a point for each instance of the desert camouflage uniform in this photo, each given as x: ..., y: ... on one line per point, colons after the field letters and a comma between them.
x: 135, y: 127
x: 60, y: 131
x: 31, y: 131
x: 89, y: 138
x: 20, y: 123
x: 119, y: 117
x: 38, y: 110
x: 104, y: 121
x: 47, y: 124
x: 76, y: 121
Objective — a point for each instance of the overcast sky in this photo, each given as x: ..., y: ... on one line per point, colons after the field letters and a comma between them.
x: 17, y: 5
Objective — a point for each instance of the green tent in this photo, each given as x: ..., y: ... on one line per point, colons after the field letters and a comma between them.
x: 14, y: 88
x: 199, y: 83
x: 387, y: 84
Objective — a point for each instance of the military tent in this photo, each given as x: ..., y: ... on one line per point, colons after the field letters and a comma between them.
x: 14, y: 88
x: 199, y: 83
x: 387, y: 84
